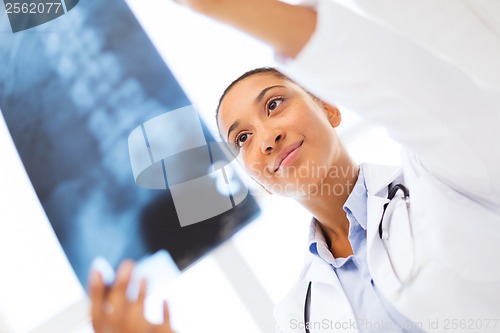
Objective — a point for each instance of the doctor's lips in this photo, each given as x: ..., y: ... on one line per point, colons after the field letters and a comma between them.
x: 287, y: 155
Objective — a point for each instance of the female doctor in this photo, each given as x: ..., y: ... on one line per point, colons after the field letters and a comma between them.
x: 410, y: 249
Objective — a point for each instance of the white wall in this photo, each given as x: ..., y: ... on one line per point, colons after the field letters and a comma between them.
x: 36, y: 280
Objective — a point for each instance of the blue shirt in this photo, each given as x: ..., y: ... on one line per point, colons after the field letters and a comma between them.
x: 372, y: 311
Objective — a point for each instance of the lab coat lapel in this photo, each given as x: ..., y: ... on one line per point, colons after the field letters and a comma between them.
x: 330, y: 309
x: 377, y: 179
x: 320, y: 272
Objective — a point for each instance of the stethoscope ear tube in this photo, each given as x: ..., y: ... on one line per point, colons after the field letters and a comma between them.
x: 383, y: 234
x: 307, y: 308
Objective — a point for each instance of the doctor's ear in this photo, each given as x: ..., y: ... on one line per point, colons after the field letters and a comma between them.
x: 333, y: 113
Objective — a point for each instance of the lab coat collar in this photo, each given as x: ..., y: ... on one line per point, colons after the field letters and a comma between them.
x: 378, y: 177
x: 377, y: 180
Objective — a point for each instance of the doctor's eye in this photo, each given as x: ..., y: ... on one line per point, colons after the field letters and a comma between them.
x: 241, y: 139
x: 274, y: 103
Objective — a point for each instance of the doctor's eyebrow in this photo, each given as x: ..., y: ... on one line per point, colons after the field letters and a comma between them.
x: 260, y: 96
x: 232, y: 127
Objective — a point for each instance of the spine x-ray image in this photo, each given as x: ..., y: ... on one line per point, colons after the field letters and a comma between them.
x: 72, y: 91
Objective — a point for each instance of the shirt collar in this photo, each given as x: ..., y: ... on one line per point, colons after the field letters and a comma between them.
x: 317, y: 242
x: 354, y: 205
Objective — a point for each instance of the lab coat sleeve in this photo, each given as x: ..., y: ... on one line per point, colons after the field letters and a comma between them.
x: 446, y: 118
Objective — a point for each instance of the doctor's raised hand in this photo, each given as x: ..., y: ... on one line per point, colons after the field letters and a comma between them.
x: 113, y: 312
x: 284, y: 27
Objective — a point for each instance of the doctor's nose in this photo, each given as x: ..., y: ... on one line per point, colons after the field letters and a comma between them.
x: 270, y: 142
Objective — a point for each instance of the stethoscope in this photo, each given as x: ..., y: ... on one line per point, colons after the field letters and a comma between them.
x: 307, y: 308
x: 384, y: 234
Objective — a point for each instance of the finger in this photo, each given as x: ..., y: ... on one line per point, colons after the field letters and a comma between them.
x: 166, y: 316
x: 165, y: 327
x: 134, y: 319
x: 142, y: 293
x: 136, y: 308
x: 117, y: 296
x: 97, y: 290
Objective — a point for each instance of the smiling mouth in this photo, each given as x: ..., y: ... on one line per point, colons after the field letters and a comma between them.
x: 287, y: 155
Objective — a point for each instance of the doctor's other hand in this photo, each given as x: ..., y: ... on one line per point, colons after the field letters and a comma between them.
x: 113, y: 312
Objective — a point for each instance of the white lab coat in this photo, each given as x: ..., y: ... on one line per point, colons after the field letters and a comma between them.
x: 445, y: 110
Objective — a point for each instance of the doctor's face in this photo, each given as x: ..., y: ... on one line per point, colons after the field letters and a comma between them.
x: 282, y: 135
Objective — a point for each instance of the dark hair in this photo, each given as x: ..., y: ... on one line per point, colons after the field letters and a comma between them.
x: 260, y: 70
